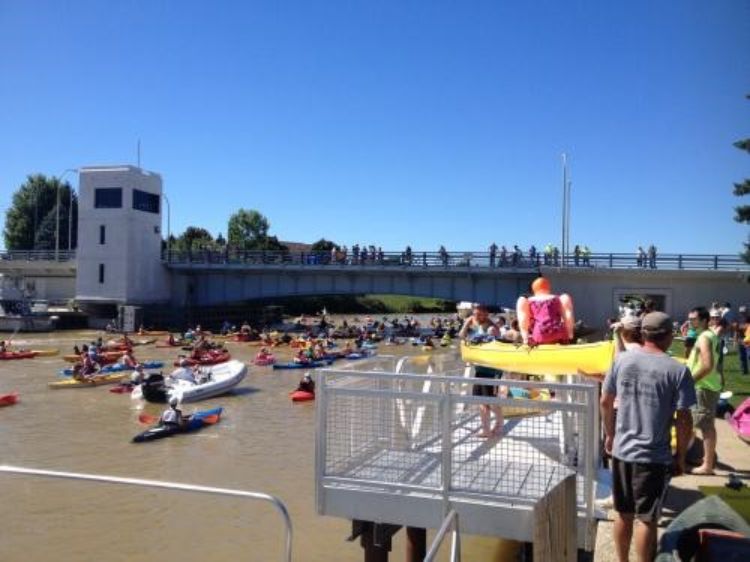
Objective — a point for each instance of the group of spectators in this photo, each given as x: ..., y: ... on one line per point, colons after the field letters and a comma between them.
x: 646, y: 258
x: 645, y: 392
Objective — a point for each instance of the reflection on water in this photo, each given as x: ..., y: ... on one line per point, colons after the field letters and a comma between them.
x: 264, y: 443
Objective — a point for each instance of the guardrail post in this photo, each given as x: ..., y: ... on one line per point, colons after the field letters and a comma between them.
x: 716, y: 262
x: 554, y: 535
x: 610, y: 261
x: 679, y: 261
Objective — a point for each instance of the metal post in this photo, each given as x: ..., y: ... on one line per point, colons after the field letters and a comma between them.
x: 57, y: 218
x: 169, y: 227
x: 564, y: 204
x: 416, y: 544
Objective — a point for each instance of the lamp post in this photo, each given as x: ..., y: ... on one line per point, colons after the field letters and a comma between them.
x: 57, y: 212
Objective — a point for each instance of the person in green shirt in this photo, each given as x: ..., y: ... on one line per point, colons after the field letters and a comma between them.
x: 702, y: 365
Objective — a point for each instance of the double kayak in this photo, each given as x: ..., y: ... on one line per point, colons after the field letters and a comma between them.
x: 193, y: 423
x: 209, y: 358
x: 104, y: 358
x: 10, y: 355
x: 8, y: 399
x: 95, y: 380
x: 301, y: 396
x: 585, y: 359
x: 118, y: 368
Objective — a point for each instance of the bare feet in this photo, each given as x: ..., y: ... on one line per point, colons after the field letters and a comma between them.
x: 497, y: 430
x: 702, y: 471
x: 484, y: 434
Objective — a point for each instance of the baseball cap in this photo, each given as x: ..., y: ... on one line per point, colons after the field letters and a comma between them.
x: 715, y: 313
x: 656, y: 323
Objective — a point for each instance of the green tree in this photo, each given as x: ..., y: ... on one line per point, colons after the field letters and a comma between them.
x: 324, y: 245
x: 31, y: 220
x: 742, y: 212
x: 248, y: 230
x: 195, y: 238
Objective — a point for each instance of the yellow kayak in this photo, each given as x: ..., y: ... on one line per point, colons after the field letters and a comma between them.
x: 96, y: 380
x: 45, y: 352
x: 586, y: 359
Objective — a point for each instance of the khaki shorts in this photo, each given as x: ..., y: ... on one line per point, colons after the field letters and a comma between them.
x: 704, y: 412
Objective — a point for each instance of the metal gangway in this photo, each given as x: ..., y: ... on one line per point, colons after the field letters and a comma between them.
x: 397, y: 442
x: 141, y: 483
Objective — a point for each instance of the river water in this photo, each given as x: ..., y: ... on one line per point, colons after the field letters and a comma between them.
x: 264, y: 443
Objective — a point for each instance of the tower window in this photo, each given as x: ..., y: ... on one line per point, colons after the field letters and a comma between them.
x: 108, y: 198
x: 101, y: 273
x: 102, y: 234
x: 144, y: 201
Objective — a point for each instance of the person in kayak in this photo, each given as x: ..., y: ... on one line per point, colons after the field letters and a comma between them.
x: 172, y: 416
x: 545, y: 318
x: 307, y: 384
x: 128, y: 359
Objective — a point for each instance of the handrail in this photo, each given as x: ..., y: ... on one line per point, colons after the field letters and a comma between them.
x: 276, y: 502
x: 452, y: 260
x: 37, y: 255
x: 451, y: 520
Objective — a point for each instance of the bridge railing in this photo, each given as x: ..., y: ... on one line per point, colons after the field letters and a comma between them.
x: 449, y: 260
x: 37, y: 255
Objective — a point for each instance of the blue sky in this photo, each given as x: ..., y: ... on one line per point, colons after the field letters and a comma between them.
x: 396, y: 122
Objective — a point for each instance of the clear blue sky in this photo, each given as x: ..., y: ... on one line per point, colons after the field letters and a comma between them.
x: 398, y: 121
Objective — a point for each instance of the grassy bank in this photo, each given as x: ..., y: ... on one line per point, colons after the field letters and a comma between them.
x: 362, y: 304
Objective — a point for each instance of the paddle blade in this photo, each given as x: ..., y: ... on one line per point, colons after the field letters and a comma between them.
x: 145, y: 418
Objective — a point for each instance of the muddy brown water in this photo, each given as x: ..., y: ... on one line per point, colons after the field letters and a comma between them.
x: 264, y: 443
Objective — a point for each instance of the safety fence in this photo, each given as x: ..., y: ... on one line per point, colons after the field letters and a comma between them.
x: 406, y: 430
x: 452, y: 260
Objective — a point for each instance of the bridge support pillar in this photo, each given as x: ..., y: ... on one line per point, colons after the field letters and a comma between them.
x: 375, y: 539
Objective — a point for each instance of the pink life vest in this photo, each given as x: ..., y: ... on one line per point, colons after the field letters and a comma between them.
x: 547, y: 321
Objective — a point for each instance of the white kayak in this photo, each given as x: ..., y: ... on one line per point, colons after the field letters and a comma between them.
x: 217, y: 380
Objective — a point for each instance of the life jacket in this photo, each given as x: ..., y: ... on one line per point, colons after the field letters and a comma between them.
x: 548, y: 323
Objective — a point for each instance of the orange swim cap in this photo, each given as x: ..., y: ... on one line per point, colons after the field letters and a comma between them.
x: 541, y: 286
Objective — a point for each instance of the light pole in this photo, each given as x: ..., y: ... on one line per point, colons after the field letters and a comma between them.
x: 565, y: 210
x: 57, y: 211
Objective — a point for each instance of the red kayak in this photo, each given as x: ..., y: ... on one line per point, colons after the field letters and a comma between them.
x: 8, y: 355
x: 8, y: 399
x: 302, y: 396
x: 210, y: 358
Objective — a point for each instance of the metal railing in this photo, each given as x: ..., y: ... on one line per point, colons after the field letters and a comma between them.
x: 450, y: 522
x: 459, y: 260
x: 413, y: 433
x: 38, y: 255
x: 274, y: 501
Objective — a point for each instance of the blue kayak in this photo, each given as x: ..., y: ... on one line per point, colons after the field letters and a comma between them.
x: 310, y: 365
x: 117, y: 368
x: 194, y: 423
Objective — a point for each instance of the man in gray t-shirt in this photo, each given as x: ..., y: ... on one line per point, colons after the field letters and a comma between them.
x: 650, y: 387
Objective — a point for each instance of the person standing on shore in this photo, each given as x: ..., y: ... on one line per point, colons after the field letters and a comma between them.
x: 702, y: 363
x: 650, y: 387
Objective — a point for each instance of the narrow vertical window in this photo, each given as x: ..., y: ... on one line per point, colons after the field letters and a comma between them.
x: 102, y: 234
x: 101, y: 273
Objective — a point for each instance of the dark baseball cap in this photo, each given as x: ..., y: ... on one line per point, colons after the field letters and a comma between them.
x: 656, y: 323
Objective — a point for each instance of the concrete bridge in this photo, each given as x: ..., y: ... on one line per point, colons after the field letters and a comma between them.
x: 598, y: 284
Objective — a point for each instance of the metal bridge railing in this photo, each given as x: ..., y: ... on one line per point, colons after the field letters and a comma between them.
x: 449, y: 523
x: 274, y: 501
x: 413, y: 432
x: 38, y: 255
x: 453, y: 260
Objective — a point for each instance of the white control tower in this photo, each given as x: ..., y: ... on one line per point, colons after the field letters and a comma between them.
x: 119, y: 237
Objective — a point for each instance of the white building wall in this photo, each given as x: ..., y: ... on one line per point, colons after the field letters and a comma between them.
x: 131, y: 253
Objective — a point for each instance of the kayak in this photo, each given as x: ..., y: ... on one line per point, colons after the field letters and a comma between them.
x: 310, y: 365
x: 264, y: 360
x: 8, y: 399
x: 8, y: 355
x: 106, y: 357
x: 45, y: 352
x: 153, y: 333
x: 587, y: 358
x: 210, y: 358
x: 301, y: 396
x: 118, y: 368
x: 96, y: 380
x: 148, y: 341
x: 194, y: 423
x: 740, y: 421
x: 681, y: 539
